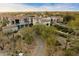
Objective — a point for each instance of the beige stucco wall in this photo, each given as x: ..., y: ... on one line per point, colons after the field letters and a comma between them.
x: 8, y: 29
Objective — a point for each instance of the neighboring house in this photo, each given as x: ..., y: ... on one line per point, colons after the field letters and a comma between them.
x: 45, y: 21
x: 56, y: 19
x: 41, y: 20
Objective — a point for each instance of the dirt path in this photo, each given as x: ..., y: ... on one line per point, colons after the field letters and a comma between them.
x: 3, y: 53
x: 40, y: 48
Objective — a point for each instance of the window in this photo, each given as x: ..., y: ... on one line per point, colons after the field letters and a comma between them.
x: 25, y: 20
x: 31, y: 20
x: 12, y: 22
x: 22, y: 26
x: 57, y: 20
x: 17, y: 21
x: 47, y: 24
x: 26, y: 24
x: 18, y: 26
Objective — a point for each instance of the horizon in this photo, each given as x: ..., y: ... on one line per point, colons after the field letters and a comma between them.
x: 38, y: 7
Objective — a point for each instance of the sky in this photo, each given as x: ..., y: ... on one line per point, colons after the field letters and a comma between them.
x: 22, y: 7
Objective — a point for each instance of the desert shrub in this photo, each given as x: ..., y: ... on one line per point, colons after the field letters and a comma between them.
x: 74, y: 48
x: 69, y: 52
x: 27, y: 34
x: 44, y: 31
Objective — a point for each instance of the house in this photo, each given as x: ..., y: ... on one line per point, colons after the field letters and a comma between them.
x: 47, y: 20
x: 17, y: 22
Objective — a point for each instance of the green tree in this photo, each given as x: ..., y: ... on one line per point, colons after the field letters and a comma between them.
x: 68, y: 18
